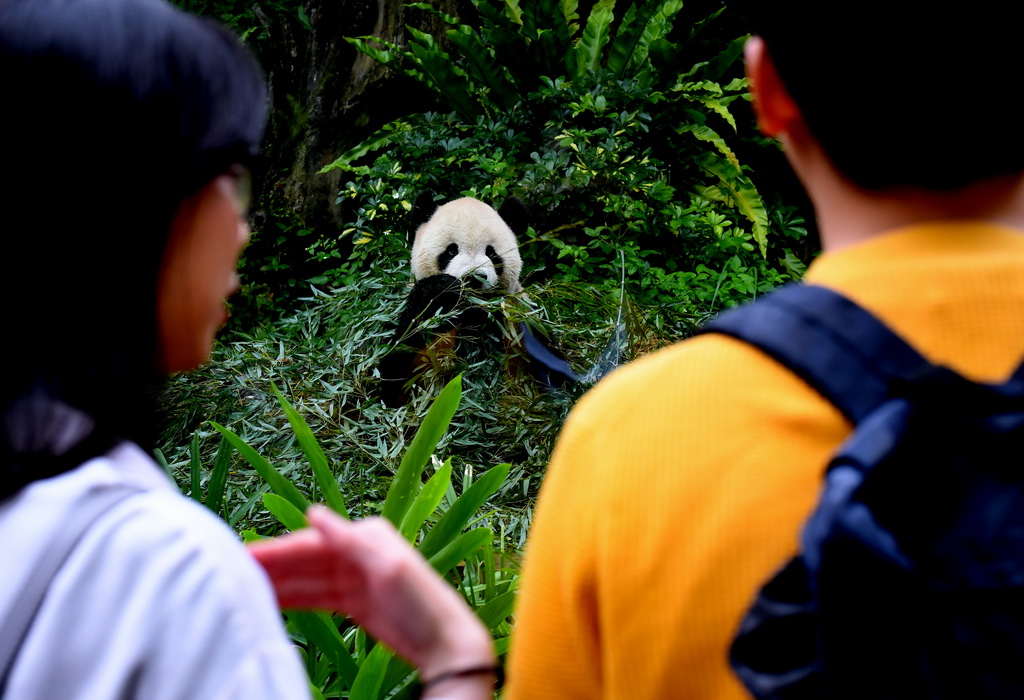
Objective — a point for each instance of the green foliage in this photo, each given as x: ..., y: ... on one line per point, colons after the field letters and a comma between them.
x: 244, y: 16
x: 341, y: 661
x: 515, y: 44
x: 617, y: 131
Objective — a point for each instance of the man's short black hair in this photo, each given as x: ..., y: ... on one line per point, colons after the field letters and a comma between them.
x: 903, y: 93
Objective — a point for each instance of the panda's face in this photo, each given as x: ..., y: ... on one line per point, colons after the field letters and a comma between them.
x: 466, y: 238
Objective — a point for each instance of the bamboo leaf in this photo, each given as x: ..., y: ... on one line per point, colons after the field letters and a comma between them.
x: 277, y: 481
x: 287, y: 514
x: 460, y: 549
x: 406, y: 483
x: 426, y: 502
x: 464, y: 508
x: 595, y: 37
x: 317, y: 460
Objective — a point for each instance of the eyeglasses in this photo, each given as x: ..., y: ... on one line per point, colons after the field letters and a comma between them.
x: 243, y: 187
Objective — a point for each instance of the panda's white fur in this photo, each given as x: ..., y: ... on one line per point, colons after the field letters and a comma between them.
x: 472, y: 226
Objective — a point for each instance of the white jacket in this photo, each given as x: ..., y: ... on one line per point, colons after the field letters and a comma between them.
x: 158, y: 601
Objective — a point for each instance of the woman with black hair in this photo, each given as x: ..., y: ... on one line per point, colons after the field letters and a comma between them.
x: 127, y: 129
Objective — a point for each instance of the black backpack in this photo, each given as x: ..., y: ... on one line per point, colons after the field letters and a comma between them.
x: 910, y: 582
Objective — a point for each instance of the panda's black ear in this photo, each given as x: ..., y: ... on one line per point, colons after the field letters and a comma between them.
x: 514, y: 213
x: 422, y: 209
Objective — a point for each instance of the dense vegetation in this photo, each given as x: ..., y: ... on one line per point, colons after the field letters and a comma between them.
x: 621, y: 127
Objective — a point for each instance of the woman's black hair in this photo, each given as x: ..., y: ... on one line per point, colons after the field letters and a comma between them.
x: 114, y: 112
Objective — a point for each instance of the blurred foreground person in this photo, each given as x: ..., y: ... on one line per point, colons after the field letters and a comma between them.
x: 680, y: 484
x: 127, y: 129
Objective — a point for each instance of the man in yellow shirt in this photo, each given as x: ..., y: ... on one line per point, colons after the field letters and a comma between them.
x: 680, y: 483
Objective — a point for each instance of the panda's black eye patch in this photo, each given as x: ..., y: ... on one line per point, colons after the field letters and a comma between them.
x: 447, y: 256
x: 496, y: 260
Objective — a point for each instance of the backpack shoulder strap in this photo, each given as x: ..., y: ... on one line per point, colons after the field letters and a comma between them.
x: 29, y: 599
x: 840, y: 349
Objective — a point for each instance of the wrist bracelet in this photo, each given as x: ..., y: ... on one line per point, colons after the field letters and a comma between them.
x: 490, y: 670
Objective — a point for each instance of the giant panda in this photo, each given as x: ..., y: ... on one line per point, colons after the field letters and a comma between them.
x: 462, y: 249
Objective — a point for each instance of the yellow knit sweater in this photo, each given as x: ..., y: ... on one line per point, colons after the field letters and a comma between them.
x: 679, y: 484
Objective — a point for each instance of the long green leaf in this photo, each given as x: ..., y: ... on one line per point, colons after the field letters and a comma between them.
x: 460, y: 549
x: 406, y: 483
x: 277, y: 481
x: 218, y: 477
x: 428, y: 499
x: 464, y: 508
x: 195, y: 469
x: 162, y: 461
x: 497, y: 609
x: 368, y: 682
x: 320, y: 629
x: 317, y: 460
x: 595, y: 37
x: 287, y: 514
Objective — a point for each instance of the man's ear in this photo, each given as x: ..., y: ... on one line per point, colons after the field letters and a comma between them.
x: 776, y: 111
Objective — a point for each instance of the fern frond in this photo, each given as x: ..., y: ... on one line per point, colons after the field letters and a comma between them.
x: 743, y: 193
x: 639, y: 28
x: 483, y: 67
x: 595, y: 37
